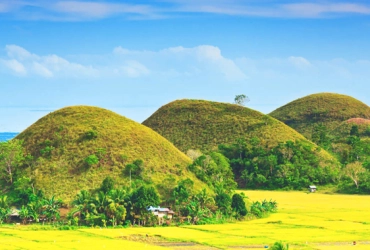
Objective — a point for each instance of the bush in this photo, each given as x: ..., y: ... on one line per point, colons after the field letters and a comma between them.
x: 279, y: 246
x: 91, y: 160
x: 91, y: 134
x: 107, y: 184
x: 238, y: 205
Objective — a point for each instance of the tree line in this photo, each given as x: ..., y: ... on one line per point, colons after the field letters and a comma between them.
x: 112, y: 205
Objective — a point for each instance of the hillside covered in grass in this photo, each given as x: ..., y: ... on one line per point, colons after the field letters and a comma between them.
x: 75, y: 148
x: 261, y: 149
x: 198, y: 124
x: 327, y: 109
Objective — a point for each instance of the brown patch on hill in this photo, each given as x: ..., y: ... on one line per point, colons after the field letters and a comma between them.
x: 358, y: 121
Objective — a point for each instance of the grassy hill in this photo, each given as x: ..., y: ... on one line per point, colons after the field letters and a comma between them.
x: 198, y: 124
x: 328, y: 109
x: 62, y: 141
x: 344, y: 129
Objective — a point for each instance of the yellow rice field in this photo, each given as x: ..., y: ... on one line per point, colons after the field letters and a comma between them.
x: 305, y: 221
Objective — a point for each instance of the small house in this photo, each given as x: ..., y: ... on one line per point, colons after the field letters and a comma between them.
x: 161, y: 212
x: 14, y: 213
x: 312, y: 188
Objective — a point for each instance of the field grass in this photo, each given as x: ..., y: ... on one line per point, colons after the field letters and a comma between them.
x: 305, y: 221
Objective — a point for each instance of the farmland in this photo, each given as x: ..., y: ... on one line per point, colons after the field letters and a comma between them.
x: 305, y: 221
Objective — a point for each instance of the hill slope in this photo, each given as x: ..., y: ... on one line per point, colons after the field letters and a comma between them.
x: 63, y: 140
x: 198, y: 124
x: 344, y: 129
x: 328, y: 109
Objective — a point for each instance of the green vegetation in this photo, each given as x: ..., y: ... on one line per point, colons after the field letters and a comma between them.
x: 214, y: 169
x: 75, y: 148
x: 339, y: 124
x: 347, y: 128
x: 11, y: 159
x: 326, y: 109
x: 263, y: 152
x: 238, y: 205
x: 289, y: 165
x: 279, y: 246
x: 203, y: 125
x: 241, y: 99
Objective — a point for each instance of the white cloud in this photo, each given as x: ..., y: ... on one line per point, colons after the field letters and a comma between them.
x: 15, y: 66
x: 177, y: 64
x: 99, y: 10
x: 79, y: 10
x: 276, y: 9
x: 134, y: 69
x: 17, y: 52
x: 41, y: 70
x: 299, y: 62
x: 316, y: 9
x: 22, y: 62
x: 204, y: 60
x: 200, y: 60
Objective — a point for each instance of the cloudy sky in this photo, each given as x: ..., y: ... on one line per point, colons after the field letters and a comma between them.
x: 134, y: 56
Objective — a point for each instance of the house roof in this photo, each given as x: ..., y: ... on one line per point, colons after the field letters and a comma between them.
x: 312, y: 186
x: 159, y: 209
x: 14, y: 211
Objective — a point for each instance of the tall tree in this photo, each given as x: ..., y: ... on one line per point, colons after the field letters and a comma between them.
x: 143, y: 197
x: 11, y: 158
x: 353, y: 171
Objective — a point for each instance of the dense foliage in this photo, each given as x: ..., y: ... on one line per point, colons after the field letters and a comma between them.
x: 287, y: 165
x: 350, y: 143
x: 340, y: 125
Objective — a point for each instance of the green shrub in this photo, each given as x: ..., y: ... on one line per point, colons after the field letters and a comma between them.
x: 91, y: 134
x: 91, y: 160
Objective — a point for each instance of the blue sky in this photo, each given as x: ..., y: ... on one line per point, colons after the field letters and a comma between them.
x: 134, y: 56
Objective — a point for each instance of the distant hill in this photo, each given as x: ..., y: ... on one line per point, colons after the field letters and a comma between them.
x: 344, y: 129
x: 327, y: 109
x: 63, y: 140
x: 198, y: 124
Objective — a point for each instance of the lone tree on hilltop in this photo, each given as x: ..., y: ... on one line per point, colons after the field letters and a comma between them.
x: 241, y: 99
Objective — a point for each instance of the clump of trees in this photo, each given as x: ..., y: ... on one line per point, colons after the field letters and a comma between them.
x: 290, y: 165
x: 214, y: 169
x: 353, y: 152
x: 36, y: 208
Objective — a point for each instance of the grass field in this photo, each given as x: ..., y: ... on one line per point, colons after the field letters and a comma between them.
x: 305, y: 221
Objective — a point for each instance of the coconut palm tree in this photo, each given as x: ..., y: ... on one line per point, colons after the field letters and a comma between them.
x: 4, y: 208
x: 51, y: 208
x: 24, y: 214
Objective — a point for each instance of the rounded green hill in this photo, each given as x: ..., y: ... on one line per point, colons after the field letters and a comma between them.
x: 327, y: 109
x: 198, y: 124
x: 62, y: 142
